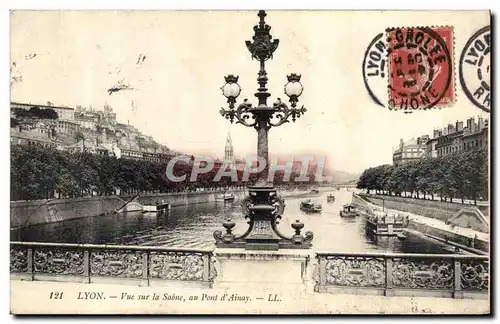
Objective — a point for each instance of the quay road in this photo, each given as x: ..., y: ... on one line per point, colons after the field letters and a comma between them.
x: 193, y: 226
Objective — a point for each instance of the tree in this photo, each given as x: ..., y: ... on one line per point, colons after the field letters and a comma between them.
x: 463, y: 175
x: 396, y: 182
x: 67, y: 186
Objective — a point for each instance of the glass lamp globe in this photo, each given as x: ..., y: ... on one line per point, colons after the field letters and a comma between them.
x: 293, y: 88
x: 231, y: 90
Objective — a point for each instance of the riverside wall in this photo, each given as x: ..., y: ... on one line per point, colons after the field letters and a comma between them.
x: 200, y: 197
x: 432, y: 209
x: 449, y: 235
x: 185, y: 198
x: 27, y: 213
x: 429, y: 208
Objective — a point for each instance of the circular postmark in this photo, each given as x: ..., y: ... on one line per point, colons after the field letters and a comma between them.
x: 420, y: 68
x: 374, y: 67
x: 474, y: 69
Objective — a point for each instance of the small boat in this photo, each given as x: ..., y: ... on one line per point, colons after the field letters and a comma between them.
x: 349, y: 210
x: 149, y: 209
x: 385, y: 223
x: 330, y: 198
x: 225, y: 197
x: 162, y: 206
x: 310, y: 207
x: 314, y: 191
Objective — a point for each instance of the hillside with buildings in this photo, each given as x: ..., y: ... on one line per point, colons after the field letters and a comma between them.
x: 82, y: 129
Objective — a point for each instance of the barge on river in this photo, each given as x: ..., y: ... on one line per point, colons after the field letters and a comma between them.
x: 349, y: 210
x: 309, y: 206
x: 225, y: 197
x: 386, y: 223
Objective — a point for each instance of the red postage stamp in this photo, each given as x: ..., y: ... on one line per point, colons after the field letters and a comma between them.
x: 421, y: 69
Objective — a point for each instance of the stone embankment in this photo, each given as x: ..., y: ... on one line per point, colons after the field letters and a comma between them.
x: 433, y: 220
x: 27, y: 213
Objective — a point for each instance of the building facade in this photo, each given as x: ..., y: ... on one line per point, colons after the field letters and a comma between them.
x: 475, y: 134
x: 454, y: 138
x: 410, y: 150
x: 457, y: 138
x: 19, y: 138
x: 64, y: 113
x: 430, y: 150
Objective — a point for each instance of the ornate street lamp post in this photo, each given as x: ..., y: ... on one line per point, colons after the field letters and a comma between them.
x: 263, y: 207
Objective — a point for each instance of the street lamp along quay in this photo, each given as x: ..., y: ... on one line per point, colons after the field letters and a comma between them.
x: 263, y: 207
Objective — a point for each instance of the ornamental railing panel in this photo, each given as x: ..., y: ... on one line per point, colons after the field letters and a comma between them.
x: 116, y: 263
x: 474, y: 275
x: 423, y: 273
x: 414, y: 274
x: 177, y: 266
x: 18, y: 259
x: 356, y: 271
x: 85, y: 262
x: 58, y: 260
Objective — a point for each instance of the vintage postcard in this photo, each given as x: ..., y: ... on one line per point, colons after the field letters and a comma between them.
x: 250, y: 162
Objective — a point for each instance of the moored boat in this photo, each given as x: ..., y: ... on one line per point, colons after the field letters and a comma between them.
x: 310, y: 207
x: 149, y: 209
x: 225, y: 197
x: 349, y: 210
x: 385, y: 223
x: 162, y: 206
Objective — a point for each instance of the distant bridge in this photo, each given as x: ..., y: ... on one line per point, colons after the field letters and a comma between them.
x: 350, y: 184
x: 343, y: 185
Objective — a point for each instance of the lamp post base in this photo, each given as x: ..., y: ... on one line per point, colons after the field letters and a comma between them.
x: 266, y: 270
x: 263, y: 207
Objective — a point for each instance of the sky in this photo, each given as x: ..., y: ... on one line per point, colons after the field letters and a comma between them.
x: 176, y: 89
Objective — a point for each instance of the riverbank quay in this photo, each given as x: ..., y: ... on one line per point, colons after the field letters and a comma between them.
x: 435, y: 227
x: 27, y: 213
x: 436, y: 208
x: 43, y: 297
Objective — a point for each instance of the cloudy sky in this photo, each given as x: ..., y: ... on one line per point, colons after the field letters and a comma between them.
x: 176, y: 95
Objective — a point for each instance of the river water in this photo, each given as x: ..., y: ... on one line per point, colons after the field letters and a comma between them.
x: 192, y: 226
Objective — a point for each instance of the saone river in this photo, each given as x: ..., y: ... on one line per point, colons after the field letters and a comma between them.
x: 193, y: 226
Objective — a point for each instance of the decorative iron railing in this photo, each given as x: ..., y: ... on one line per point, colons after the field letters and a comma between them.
x: 456, y: 276
x: 91, y: 263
